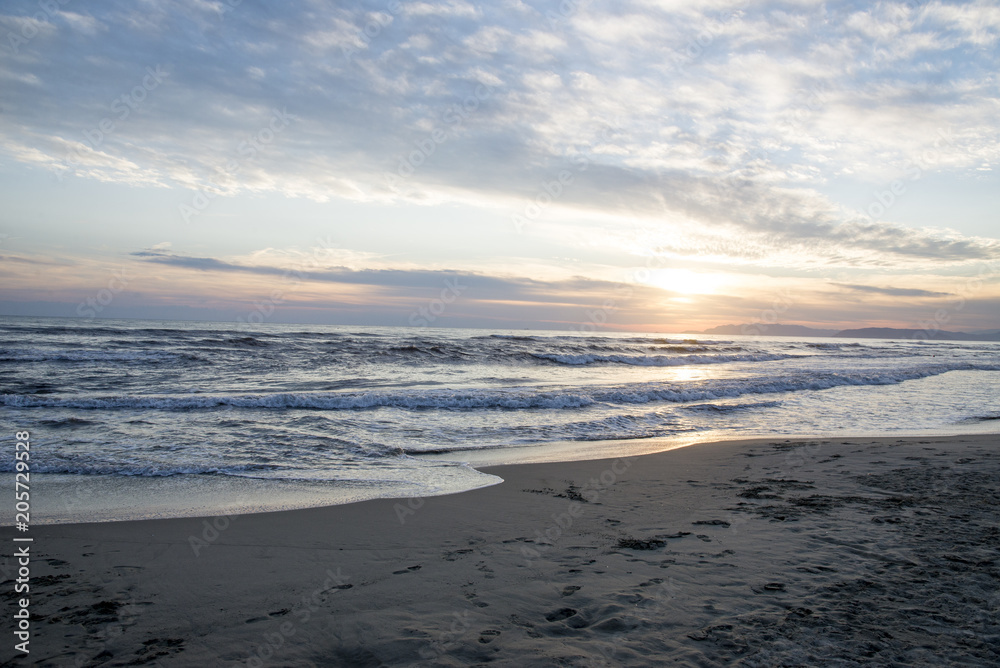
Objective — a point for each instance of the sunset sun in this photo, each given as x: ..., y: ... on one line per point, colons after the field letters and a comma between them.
x: 685, y: 282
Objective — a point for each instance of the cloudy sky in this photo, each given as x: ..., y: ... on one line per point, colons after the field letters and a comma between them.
x: 646, y: 165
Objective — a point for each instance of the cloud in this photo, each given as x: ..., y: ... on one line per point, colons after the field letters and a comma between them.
x: 728, y: 119
x: 893, y: 292
x: 87, y: 25
x: 486, y: 286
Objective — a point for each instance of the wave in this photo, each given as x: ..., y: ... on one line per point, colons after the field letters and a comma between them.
x: 625, y: 427
x: 35, y: 355
x: 833, y: 346
x: 430, y: 349
x: 150, y: 470
x: 234, y: 342
x: 509, y: 337
x: 68, y: 423
x: 801, y: 382
x: 575, y: 353
x: 375, y: 450
x: 510, y: 399
x: 659, y: 360
x: 84, y: 330
x: 444, y: 399
x: 731, y: 408
x: 698, y: 349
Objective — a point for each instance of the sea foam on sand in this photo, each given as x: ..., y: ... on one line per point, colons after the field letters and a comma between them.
x: 861, y: 551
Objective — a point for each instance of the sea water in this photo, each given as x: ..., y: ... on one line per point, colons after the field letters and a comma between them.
x: 132, y: 419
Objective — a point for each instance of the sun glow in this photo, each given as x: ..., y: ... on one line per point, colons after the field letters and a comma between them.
x: 685, y: 281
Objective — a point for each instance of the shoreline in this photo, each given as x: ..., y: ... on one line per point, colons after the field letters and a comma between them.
x: 113, y: 498
x: 870, y: 551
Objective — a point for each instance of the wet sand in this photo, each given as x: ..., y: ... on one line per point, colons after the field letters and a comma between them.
x: 861, y: 551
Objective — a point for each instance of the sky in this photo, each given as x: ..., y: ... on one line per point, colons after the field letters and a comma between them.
x: 576, y: 165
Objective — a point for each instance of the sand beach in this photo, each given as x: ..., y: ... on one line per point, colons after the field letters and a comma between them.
x: 859, y: 551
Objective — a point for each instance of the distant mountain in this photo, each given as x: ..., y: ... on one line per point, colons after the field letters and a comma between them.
x: 892, y: 333
x: 760, y: 329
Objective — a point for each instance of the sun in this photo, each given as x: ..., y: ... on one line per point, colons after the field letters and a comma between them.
x: 685, y: 281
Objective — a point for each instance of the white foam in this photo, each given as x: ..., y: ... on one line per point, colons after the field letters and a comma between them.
x: 513, y: 398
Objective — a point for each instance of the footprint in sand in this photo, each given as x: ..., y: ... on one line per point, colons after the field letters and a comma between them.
x: 154, y: 648
x: 560, y: 614
x: 528, y: 627
x: 471, y: 597
x: 408, y: 569
x: 720, y: 523
x: 570, y: 590
x: 769, y: 587
x: 488, y: 636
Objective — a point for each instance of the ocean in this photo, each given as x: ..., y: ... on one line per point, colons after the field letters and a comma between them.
x: 133, y: 419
